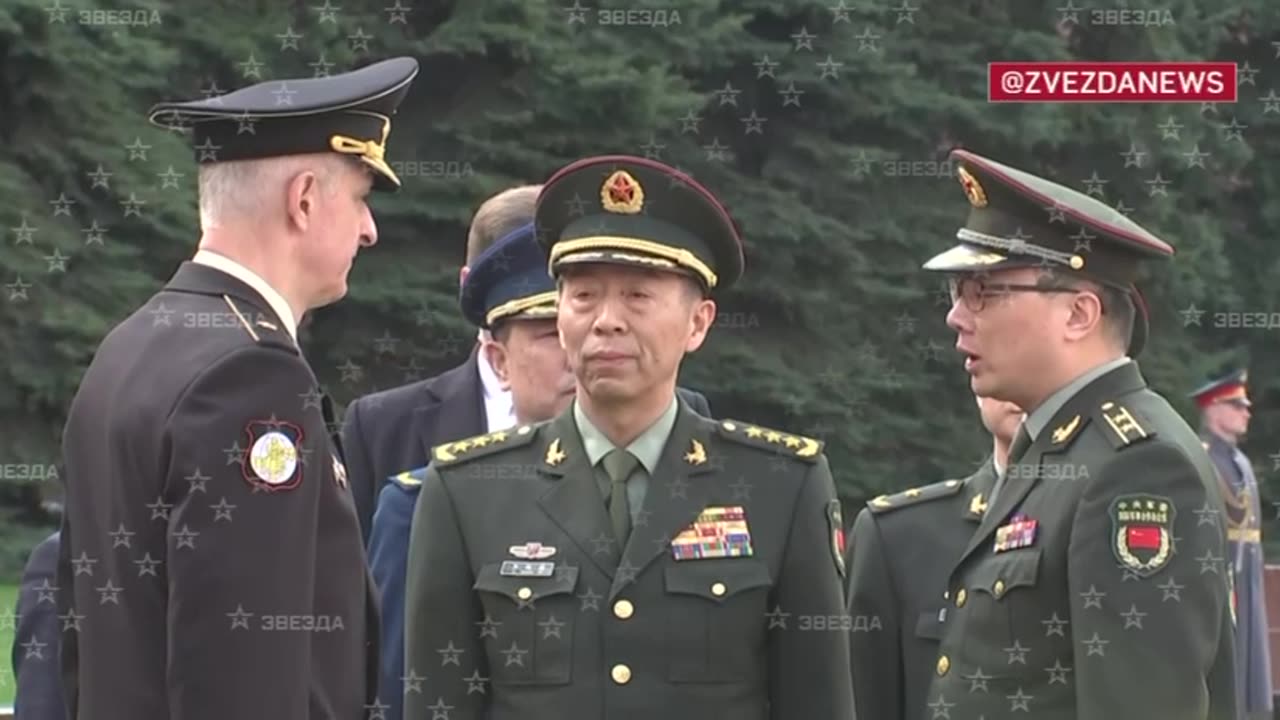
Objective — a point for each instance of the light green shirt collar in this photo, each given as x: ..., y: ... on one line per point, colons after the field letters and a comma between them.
x: 1041, y: 416
x: 647, y: 447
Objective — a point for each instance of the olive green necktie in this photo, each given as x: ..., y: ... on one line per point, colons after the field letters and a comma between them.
x: 619, y: 464
x: 1021, y: 442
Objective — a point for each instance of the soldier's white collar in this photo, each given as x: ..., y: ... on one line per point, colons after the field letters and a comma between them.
x: 277, y: 302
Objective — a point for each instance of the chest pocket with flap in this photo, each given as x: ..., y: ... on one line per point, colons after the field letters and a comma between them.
x: 716, y: 618
x: 1002, y: 614
x: 528, y: 625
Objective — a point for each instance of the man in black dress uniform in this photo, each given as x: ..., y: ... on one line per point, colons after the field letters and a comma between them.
x: 1096, y: 584
x: 211, y: 563
x: 630, y: 559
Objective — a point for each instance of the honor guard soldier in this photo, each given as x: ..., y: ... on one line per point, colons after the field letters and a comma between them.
x: 509, y: 293
x: 211, y: 563
x: 629, y: 559
x: 1096, y: 584
x: 900, y: 552
x: 1224, y: 419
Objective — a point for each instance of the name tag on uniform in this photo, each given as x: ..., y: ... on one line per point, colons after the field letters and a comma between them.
x: 519, y: 568
x: 1019, y: 533
x: 719, y: 532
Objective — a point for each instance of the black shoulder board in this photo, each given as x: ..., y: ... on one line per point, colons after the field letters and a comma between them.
x: 1120, y: 426
x: 914, y: 496
x: 774, y: 441
x: 453, y: 453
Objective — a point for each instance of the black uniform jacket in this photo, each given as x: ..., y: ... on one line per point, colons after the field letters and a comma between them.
x: 1096, y: 585
x: 391, y: 431
x: 595, y: 633
x: 211, y: 564
x: 901, y: 550
x: 36, y: 638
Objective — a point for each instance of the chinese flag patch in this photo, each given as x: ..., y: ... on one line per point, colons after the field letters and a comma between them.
x: 1143, y: 537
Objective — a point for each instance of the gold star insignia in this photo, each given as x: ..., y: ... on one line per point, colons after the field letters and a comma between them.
x: 913, y: 492
x: 754, y: 432
x: 697, y: 454
x: 555, y: 455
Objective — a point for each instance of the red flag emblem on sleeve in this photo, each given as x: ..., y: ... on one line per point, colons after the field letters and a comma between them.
x: 1143, y: 537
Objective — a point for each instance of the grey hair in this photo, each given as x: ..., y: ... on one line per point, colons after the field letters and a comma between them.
x: 246, y: 188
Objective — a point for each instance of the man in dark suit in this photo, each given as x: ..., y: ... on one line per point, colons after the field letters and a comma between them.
x: 900, y: 552
x: 211, y: 563
x: 36, y: 638
x: 631, y: 558
x: 1224, y: 420
x: 1095, y: 585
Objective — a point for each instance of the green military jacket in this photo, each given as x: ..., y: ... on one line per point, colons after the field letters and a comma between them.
x: 900, y: 552
x: 1096, y: 586
x: 520, y: 604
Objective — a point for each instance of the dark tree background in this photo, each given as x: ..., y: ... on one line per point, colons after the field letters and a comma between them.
x: 824, y: 126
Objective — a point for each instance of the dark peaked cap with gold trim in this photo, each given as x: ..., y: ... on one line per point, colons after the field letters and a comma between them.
x: 633, y: 211
x: 348, y: 113
x: 509, y: 281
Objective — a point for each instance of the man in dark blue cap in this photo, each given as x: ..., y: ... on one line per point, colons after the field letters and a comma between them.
x: 1095, y: 585
x: 211, y: 564
x: 1224, y: 420
x: 630, y: 558
x: 509, y: 293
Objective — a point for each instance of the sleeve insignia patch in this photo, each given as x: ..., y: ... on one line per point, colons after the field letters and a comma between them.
x: 273, y: 461
x: 1142, y: 532
x: 1124, y: 427
x: 915, y: 495
x: 835, y: 522
x: 798, y: 446
x: 482, y: 445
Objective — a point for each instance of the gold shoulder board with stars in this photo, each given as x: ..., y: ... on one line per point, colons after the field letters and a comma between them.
x: 1120, y: 425
x: 481, y: 445
x: 915, y: 496
x: 775, y: 441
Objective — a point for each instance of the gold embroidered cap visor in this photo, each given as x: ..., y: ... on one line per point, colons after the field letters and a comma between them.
x: 349, y: 114
x: 620, y: 209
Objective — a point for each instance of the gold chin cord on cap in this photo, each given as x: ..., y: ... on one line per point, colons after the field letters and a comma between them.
x: 372, y: 151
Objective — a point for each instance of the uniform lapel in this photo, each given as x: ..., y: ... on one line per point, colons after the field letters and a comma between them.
x: 977, y: 488
x: 674, y: 498
x: 574, y: 501
x: 1056, y: 437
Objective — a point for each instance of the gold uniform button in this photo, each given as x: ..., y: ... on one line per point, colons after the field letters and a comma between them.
x: 524, y: 593
x: 624, y: 609
x: 718, y: 589
x: 961, y: 596
x: 998, y: 589
x: 621, y: 674
x: 944, y: 664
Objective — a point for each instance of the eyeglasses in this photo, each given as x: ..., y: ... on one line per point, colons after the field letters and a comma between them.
x: 974, y: 291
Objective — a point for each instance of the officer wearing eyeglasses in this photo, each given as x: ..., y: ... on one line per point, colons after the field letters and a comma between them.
x: 1095, y: 585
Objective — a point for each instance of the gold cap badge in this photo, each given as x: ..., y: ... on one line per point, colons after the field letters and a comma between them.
x: 972, y: 189
x: 622, y: 194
